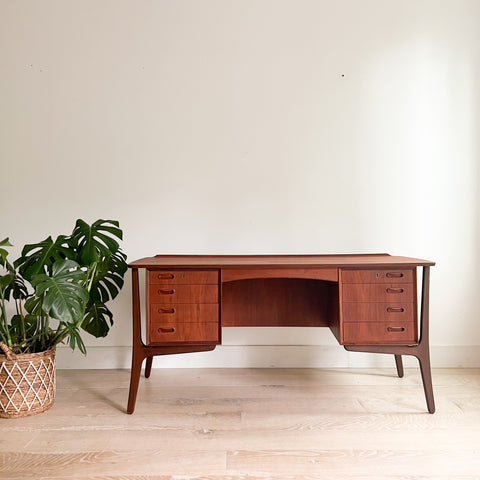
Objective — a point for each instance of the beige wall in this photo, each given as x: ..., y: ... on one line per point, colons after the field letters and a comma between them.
x: 250, y: 126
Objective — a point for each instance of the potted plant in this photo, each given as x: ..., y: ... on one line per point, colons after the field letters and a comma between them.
x: 53, y: 291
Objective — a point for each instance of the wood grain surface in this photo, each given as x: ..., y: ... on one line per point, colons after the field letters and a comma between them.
x: 299, y: 261
x: 279, y: 302
x: 246, y: 424
x: 176, y: 277
x: 394, y: 292
x: 168, y: 294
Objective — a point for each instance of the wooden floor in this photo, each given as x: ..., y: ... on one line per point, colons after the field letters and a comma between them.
x: 250, y: 424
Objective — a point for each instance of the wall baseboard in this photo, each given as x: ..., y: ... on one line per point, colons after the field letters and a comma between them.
x: 267, y: 356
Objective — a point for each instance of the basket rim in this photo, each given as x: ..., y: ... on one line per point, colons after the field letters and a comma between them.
x: 27, y: 356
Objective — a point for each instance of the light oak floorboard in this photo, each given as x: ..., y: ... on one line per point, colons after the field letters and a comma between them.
x: 250, y: 424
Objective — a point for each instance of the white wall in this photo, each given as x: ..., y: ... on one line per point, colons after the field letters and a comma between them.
x: 251, y: 126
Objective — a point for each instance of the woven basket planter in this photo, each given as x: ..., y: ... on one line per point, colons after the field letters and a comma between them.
x: 27, y: 382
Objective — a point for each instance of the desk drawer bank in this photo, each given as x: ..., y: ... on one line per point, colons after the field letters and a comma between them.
x: 368, y: 301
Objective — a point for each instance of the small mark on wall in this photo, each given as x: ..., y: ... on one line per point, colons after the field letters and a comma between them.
x: 31, y: 66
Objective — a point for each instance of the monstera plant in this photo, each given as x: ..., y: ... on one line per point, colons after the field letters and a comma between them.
x: 57, y: 288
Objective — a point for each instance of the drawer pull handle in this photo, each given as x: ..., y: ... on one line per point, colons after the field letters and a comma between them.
x: 165, y: 276
x: 394, y: 275
x: 166, y: 310
x: 395, y: 309
x: 395, y: 329
x: 166, y: 330
x: 395, y: 290
x: 166, y: 291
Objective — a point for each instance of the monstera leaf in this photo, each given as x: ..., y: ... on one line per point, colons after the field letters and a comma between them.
x: 3, y: 252
x: 64, y: 293
x: 35, y: 257
x: 108, y: 280
x: 11, y: 283
x: 96, y: 242
x: 15, y: 286
x: 5, y: 282
x: 97, y: 319
x: 34, y: 305
x: 74, y: 338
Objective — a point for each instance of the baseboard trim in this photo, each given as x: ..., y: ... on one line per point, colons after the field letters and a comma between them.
x: 267, y: 356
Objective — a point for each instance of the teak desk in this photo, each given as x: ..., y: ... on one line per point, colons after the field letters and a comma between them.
x: 368, y: 301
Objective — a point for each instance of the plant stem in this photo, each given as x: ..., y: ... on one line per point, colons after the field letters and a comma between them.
x: 45, y: 328
x: 22, y: 319
x: 92, y: 276
x: 59, y: 336
x: 5, y: 321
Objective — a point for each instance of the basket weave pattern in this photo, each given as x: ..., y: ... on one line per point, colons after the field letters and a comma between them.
x: 27, y: 383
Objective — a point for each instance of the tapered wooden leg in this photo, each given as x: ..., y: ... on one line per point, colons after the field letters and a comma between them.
x: 148, y: 367
x: 424, y: 361
x: 424, y: 344
x: 137, y: 360
x: 399, y: 363
x: 138, y: 354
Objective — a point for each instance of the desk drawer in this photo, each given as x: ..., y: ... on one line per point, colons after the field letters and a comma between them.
x: 378, y: 293
x: 175, y: 277
x: 183, y: 294
x: 379, y: 333
x: 184, y: 312
x: 377, y: 312
x: 377, y: 276
x: 168, y: 332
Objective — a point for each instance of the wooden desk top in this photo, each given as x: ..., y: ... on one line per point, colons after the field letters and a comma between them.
x: 272, y: 261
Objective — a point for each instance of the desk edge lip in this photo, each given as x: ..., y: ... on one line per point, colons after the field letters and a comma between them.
x: 152, y: 262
